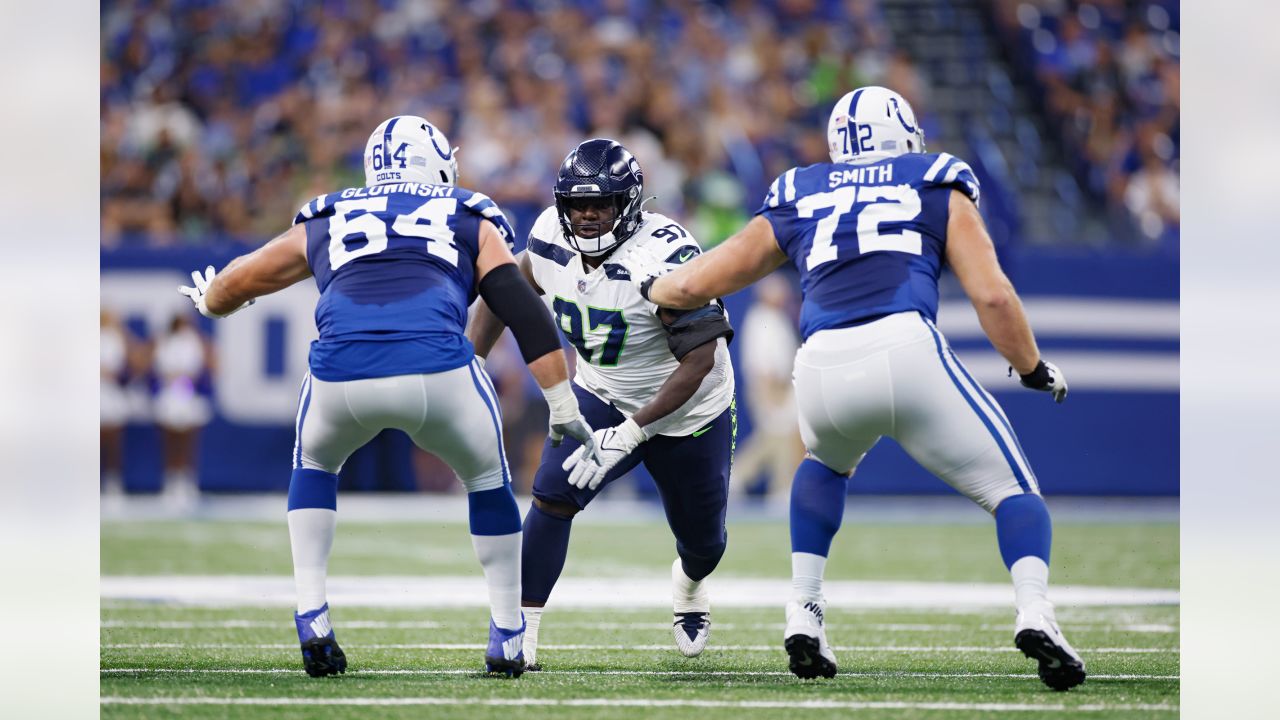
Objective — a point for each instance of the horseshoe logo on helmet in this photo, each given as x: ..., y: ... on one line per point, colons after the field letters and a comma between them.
x: 898, y: 110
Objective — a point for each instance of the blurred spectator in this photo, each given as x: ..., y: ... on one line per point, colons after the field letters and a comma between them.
x: 1109, y: 70
x: 119, y: 351
x: 768, y: 352
x: 182, y: 359
x: 218, y: 120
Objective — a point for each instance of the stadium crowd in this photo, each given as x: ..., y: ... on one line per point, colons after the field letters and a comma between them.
x: 219, y: 119
x: 1109, y: 73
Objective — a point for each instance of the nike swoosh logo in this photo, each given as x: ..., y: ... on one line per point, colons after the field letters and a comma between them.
x: 700, y: 432
x: 686, y: 256
x: 807, y: 661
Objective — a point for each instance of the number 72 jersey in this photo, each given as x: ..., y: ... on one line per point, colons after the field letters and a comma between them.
x: 868, y: 240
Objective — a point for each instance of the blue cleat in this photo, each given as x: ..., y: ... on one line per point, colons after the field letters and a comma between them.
x: 505, y: 654
x: 321, y: 655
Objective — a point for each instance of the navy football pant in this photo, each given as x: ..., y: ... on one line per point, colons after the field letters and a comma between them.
x: 692, y: 476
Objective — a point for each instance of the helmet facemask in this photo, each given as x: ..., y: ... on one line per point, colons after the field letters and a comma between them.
x: 610, y: 219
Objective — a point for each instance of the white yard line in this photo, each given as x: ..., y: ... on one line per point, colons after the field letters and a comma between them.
x: 347, y: 624
x: 265, y: 624
x: 637, y: 702
x: 659, y: 673
x: 744, y: 648
x: 471, y: 591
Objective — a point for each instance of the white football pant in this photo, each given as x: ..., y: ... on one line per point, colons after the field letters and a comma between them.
x: 897, y: 377
x: 452, y: 414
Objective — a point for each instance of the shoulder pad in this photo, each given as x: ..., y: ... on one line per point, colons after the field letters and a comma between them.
x: 482, y: 205
x: 315, y: 208
x: 949, y: 171
x: 543, y: 239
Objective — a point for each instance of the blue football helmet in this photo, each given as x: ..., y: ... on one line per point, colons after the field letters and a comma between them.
x: 600, y: 170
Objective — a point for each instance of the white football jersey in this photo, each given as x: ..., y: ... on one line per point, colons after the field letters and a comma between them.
x: 623, y: 357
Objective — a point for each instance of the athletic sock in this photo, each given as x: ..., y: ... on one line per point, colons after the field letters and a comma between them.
x: 313, y: 519
x: 496, y: 536
x: 1025, y: 533
x: 532, y: 621
x: 806, y: 576
x: 685, y: 591
x: 817, y: 507
x: 1030, y: 582
x: 546, y: 545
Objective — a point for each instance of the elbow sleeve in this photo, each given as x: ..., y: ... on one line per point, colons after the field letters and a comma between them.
x: 695, y: 328
x: 510, y: 297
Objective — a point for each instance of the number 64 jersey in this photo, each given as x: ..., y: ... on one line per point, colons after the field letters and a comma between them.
x: 869, y: 240
x: 623, y: 356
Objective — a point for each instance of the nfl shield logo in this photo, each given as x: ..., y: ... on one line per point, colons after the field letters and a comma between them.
x: 582, y: 286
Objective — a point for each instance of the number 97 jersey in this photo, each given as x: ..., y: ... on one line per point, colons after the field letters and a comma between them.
x: 868, y: 240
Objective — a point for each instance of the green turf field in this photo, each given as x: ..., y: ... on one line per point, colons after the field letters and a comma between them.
x: 165, y: 660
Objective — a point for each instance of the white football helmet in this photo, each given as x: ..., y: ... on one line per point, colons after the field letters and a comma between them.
x: 407, y: 148
x: 872, y: 124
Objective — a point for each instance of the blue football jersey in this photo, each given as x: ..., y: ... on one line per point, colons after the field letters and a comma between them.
x: 395, y: 265
x: 868, y: 240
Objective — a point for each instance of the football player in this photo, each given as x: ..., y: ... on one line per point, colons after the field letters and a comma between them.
x: 869, y: 233
x: 397, y: 263
x: 657, y: 383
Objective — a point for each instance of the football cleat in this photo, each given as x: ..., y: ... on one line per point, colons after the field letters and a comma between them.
x: 692, y: 630
x: 1037, y: 635
x: 691, y: 604
x: 805, y: 640
x: 321, y: 655
x: 505, y: 654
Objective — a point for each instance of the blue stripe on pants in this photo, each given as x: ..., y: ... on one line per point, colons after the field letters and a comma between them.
x: 1008, y: 456
x: 493, y: 415
x: 304, y: 398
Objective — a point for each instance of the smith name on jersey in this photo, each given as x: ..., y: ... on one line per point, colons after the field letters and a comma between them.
x: 395, y: 265
x: 868, y: 240
x: 623, y: 356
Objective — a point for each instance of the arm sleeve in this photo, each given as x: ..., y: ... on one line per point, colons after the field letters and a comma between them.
x: 510, y: 297
x: 693, y: 328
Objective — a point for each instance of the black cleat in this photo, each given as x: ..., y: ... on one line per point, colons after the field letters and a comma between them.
x: 807, y: 660
x: 1059, y: 669
x: 322, y: 656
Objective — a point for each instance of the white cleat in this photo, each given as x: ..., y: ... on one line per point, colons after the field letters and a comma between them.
x: 805, y: 640
x: 1037, y: 635
x: 691, y: 604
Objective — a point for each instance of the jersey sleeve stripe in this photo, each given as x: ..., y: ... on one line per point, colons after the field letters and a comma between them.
x: 773, y: 193
x: 932, y: 173
x: 790, y: 181
x: 956, y: 168
x: 476, y: 199
x: 554, y: 253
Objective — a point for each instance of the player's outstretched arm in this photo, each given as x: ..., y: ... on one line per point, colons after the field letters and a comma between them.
x: 744, y: 258
x: 271, y: 268
x: 972, y: 257
x: 514, y: 304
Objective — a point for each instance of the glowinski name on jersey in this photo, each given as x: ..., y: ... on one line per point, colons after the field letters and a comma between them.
x: 395, y: 266
x: 623, y: 355
x: 869, y: 240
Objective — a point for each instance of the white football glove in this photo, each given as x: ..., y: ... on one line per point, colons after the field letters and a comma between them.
x: 611, y: 446
x: 201, y: 287
x: 566, y: 418
x: 1047, y: 378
